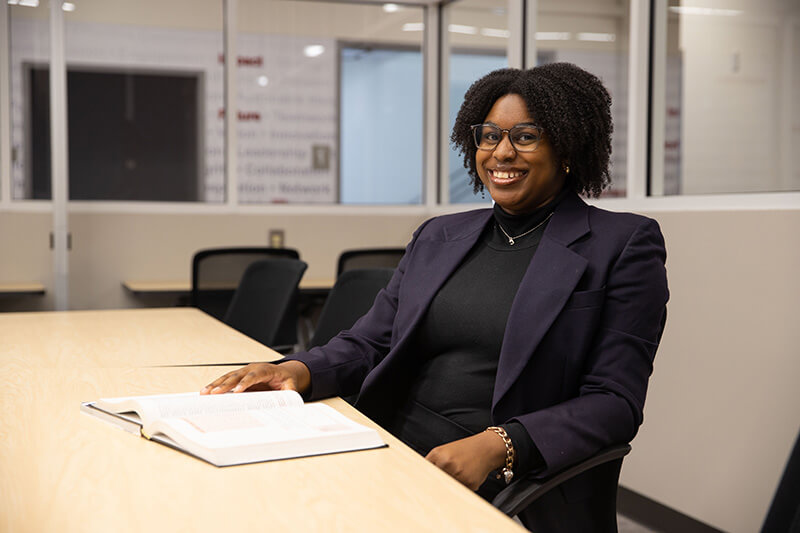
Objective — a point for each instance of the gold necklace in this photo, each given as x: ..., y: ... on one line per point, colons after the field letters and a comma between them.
x: 511, y: 239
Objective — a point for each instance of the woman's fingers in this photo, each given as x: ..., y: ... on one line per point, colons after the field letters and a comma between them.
x: 292, y: 375
x: 217, y: 383
x: 250, y: 377
x: 237, y: 380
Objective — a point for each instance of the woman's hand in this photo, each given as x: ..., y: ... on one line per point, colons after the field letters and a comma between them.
x: 471, y: 459
x: 291, y: 375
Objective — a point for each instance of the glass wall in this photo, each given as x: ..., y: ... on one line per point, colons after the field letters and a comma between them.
x: 593, y: 36
x: 381, y: 141
x: 476, y: 43
x: 142, y: 82
x: 330, y: 100
x: 330, y: 96
x: 29, y: 48
x: 732, y: 87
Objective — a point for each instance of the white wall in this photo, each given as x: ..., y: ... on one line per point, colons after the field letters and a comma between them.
x: 25, y: 256
x: 723, y: 408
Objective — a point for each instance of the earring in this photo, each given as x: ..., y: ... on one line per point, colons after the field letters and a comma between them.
x: 483, y: 194
x: 566, y: 168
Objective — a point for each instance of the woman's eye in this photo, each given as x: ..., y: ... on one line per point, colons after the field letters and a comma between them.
x: 491, y: 137
x: 526, y: 138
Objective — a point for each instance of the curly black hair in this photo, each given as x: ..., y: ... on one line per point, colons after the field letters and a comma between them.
x: 571, y: 105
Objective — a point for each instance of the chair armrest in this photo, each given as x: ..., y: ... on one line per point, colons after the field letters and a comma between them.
x: 523, y: 492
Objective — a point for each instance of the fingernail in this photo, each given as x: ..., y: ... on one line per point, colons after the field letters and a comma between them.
x: 215, y: 389
x: 205, y: 390
x: 237, y: 388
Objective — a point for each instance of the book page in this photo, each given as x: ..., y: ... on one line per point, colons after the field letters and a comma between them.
x: 279, y: 424
x: 195, y: 404
x: 232, y: 429
x: 151, y: 408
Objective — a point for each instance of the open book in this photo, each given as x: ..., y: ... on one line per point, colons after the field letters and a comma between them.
x: 230, y: 429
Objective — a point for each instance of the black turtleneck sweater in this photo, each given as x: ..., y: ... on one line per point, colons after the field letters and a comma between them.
x: 458, y: 341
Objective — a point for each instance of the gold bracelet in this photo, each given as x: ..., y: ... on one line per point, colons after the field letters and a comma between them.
x: 508, y: 474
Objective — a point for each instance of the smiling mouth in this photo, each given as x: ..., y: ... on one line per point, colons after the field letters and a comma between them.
x: 506, y: 175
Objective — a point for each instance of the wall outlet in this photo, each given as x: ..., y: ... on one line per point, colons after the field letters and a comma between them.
x: 276, y: 238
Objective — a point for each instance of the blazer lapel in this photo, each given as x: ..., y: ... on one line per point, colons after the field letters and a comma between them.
x: 546, y: 286
x: 435, y: 259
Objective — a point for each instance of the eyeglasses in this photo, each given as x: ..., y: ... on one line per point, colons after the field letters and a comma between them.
x: 523, y: 137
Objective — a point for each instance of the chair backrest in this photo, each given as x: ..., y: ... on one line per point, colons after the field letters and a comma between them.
x: 216, y: 273
x: 264, y: 298
x: 368, y: 258
x: 350, y: 298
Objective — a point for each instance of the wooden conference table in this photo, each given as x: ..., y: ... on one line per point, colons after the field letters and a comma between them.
x: 153, y: 287
x: 61, y: 470
x: 21, y: 289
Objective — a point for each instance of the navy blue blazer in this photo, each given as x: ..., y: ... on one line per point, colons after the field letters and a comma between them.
x: 579, y: 342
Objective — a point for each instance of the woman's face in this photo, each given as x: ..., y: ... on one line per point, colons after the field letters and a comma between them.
x: 518, y: 181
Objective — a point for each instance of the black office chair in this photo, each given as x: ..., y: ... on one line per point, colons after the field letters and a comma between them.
x: 350, y: 298
x: 524, y: 491
x: 216, y: 273
x: 368, y: 258
x: 265, y: 297
x: 784, y: 511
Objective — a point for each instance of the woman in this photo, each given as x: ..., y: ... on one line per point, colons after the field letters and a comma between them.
x: 518, y: 338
